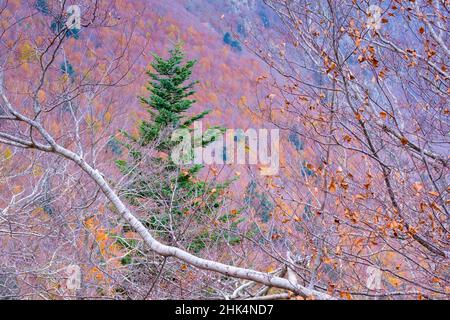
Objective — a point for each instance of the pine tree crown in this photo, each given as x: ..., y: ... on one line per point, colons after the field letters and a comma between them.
x: 169, y: 95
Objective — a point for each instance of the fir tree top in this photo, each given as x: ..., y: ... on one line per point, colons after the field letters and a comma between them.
x: 169, y: 95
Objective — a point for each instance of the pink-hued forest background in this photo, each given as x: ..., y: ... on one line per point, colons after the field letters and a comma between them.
x: 358, y: 210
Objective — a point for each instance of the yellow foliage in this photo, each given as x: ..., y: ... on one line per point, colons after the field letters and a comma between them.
x: 101, y: 236
x: 26, y: 52
x: 96, y: 274
x: 40, y: 214
x: 38, y: 171
x: 41, y: 96
x: 108, y: 117
x: 7, y: 154
x: 90, y: 223
x: 393, y: 280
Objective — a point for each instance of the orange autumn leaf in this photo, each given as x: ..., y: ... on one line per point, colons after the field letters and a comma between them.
x: 418, y: 186
x: 331, y: 67
x: 17, y: 189
x: 346, y: 295
x: 393, y: 225
x: 101, y: 236
x: 327, y: 260
x: 435, y: 206
x: 41, y: 96
x: 422, y: 207
x: 276, y: 236
x: 108, y: 117
x: 270, y: 269
x: 433, y: 193
x: 347, y: 138
x: 393, y: 280
x: 404, y: 141
x: 90, y: 223
x: 332, y: 186
x: 412, y: 230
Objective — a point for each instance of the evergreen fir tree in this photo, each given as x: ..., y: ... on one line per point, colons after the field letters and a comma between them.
x: 170, y: 185
x: 169, y: 98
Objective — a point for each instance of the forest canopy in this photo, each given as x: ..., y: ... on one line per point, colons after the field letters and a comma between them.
x: 315, y: 139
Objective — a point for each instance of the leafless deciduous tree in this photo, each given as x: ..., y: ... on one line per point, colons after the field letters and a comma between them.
x: 361, y: 89
x: 53, y: 161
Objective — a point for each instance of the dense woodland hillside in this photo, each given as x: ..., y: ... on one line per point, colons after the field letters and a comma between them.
x: 94, y: 96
